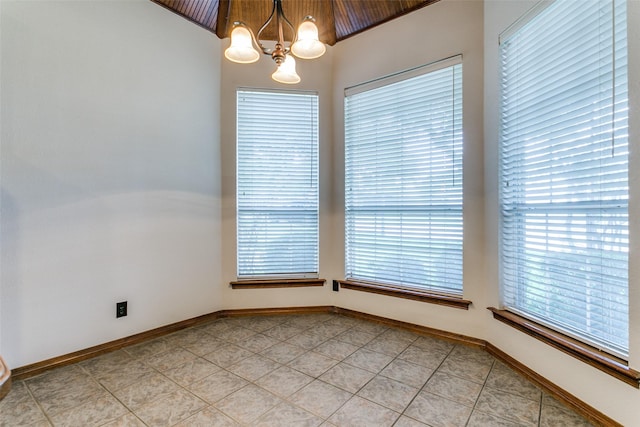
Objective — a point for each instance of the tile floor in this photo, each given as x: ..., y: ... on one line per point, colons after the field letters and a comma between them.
x: 293, y: 370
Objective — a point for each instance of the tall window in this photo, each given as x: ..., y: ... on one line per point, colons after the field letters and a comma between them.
x: 277, y: 184
x: 403, y: 192
x: 563, y: 170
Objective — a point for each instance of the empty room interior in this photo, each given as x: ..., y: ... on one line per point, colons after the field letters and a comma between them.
x: 431, y: 221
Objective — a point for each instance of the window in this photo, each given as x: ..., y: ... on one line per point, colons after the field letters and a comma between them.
x: 403, y: 194
x: 277, y: 184
x: 563, y: 170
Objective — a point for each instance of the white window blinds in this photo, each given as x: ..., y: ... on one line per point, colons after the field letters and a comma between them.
x: 563, y: 170
x: 277, y: 184
x: 403, y: 170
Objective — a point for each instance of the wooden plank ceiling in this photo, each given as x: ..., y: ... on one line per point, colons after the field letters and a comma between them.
x: 336, y: 19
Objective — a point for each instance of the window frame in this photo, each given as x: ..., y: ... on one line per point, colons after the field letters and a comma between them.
x: 593, y: 350
x: 286, y: 278
x: 426, y: 293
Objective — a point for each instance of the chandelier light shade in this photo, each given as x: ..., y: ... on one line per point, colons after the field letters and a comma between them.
x: 308, y: 46
x: 241, y: 49
x: 304, y: 44
x: 286, y: 72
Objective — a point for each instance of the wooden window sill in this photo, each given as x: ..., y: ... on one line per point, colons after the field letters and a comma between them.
x: 605, y: 362
x: 416, y: 295
x: 277, y: 283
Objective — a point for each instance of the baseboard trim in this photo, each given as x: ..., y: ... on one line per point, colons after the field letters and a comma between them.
x: 38, y: 368
x: 558, y: 393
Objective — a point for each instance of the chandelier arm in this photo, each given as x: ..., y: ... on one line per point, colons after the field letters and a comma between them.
x: 265, y: 50
x: 294, y: 33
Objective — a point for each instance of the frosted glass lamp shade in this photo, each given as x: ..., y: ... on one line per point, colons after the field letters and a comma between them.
x: 286, y: 72
x: 308, y: 46
x: 241, y: 49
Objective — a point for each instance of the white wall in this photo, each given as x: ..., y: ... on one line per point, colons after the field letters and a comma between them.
x: 109, y: 173
x: 316, y: 76
x: 444, y: 29
x: 616, y: 399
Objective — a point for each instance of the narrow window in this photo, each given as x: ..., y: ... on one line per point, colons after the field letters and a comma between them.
x: 277, y: 184
x: 403, y: 194
x: 563, y: 170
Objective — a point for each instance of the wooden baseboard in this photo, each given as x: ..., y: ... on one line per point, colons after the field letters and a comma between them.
x: 558, y: 393
x: 37, y: 368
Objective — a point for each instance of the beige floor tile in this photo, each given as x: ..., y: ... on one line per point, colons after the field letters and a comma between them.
x: 248, y: 404
x: 253, y: 367
x: 236, y: 335
x: 396, y: 334
x: 149, y: 348
x: 18, y: 408
x: 205, y: 346
x: 192, y: 371
x: 312, y: 363
x: 368, y: 359
x: 347, y: 377
x: 505, y: 379
x: 336, y: 349
x: 97, y: 411
x: 61, y: 394
x: 286, y: 415
x: 128, y: 420
x: 283, y: 353
x: 170, y: 359
x: 171, y: 409
x: 431, y: 343
x: 552, y: 416
x: 407, y: 372
x: 187, y: 337
x: 284, y: 381
x: 227, y: 355
x: 404, y: 421
x: 437, y: 411
x: 307, y: 340
x: 359, y: 412
x: 370, y: 327
x: 284, y: 331
x: 261, y: 324
x: 387, y: 346
x: 128, y: 373
x: 430, y: 358
x: 209, y: 417
x: 149, y: 388
x: 217, y: 386
x: 355, y: 336
x: 454, y: 388
x: 480, y: 419
x: 258, y: 343
x: 469, y: 369
x: 320, y: 398
x: 389, y: 393
x: 509, y: 407
x: 106, y: 363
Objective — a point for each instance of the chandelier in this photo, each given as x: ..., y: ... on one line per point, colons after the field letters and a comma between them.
x: 304, y: 44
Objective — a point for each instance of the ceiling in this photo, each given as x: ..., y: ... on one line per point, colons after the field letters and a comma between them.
x: 336, y: 19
